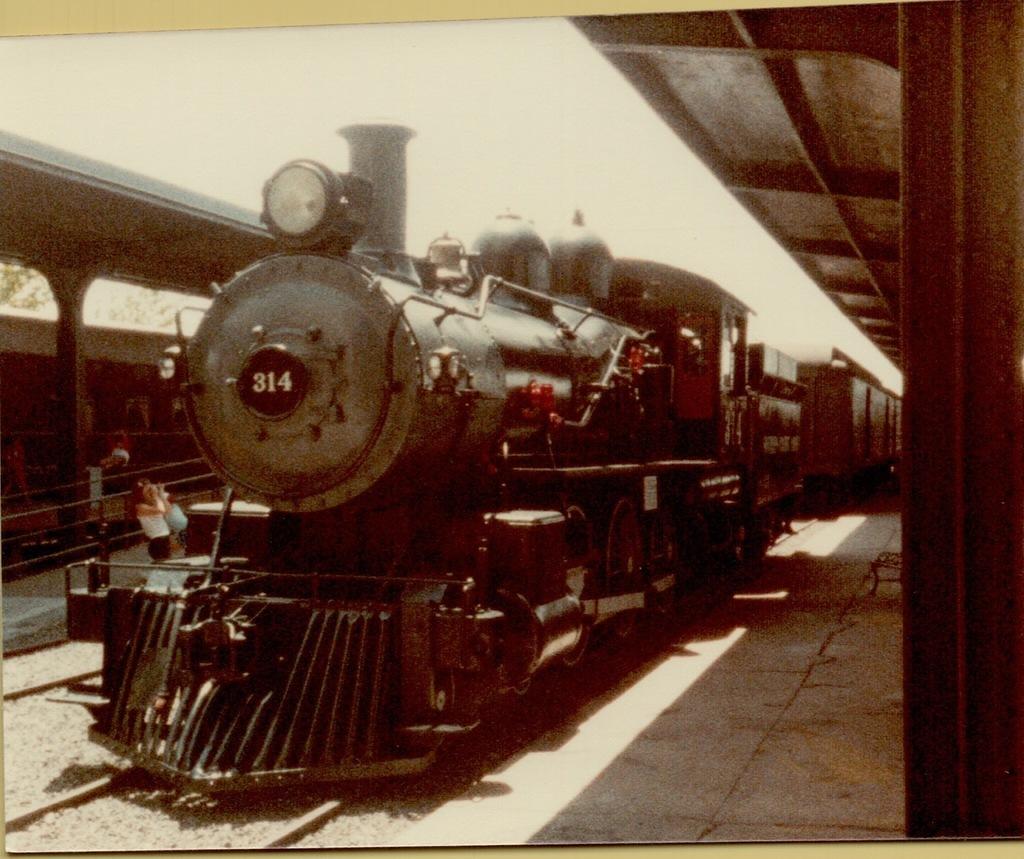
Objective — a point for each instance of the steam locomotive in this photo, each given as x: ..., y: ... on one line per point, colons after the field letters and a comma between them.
x: 444, y: 474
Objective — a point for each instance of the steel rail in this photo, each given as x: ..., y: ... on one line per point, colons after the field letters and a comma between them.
x: 60, y: 682
x: 33, y: 648
x: 94, y: 544
x: 78, y: 796
x: 309, y: 822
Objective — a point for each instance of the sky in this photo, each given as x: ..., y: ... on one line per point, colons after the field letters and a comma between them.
x: 522, y: 115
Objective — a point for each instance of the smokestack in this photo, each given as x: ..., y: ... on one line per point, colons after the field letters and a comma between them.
x: 377, y: 153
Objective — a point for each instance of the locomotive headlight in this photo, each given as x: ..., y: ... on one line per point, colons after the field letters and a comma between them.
x: 435, y: 367
x: 306, y: 204
x: 168, y: 363
x: 297, y: 199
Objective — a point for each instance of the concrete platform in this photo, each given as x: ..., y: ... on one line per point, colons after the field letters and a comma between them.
x: 794, y: 733
x: 34, y: 607
x: 777, y: 717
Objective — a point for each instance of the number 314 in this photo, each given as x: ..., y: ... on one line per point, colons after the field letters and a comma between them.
x: 271, y: 383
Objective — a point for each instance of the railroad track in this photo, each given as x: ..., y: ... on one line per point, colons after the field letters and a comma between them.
x: 47, y: 685
x: 34, y: 648
x: 59, y: 683
x: 294, y: 830
x: 79, y: 796
x: 291, y: 832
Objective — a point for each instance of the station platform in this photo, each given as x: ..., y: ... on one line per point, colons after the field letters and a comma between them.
x: 777, y: 717
x: 34, y: 610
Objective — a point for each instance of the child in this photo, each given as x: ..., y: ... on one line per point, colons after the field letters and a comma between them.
x: 177, y: 521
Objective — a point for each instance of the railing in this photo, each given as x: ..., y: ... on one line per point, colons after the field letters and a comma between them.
x: 117, y: 474
x: 43, y: 449
x: 97, y: 524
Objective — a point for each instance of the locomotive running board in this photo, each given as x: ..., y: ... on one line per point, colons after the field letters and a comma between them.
x: 604, y: 607
x: 630, y: 469
x: 664, y: 583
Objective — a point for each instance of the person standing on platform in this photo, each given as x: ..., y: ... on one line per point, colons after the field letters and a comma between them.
x: 151, y: 508
x: 115, y: 463
x: 120, y: 453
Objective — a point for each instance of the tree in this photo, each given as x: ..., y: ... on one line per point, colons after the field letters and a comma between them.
x: 138, y: 305
x: 108, y: 302
x: 23, y: 288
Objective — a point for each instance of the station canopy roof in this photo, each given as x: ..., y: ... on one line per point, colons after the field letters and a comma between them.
x: 797, y: 111
x: 61, y: 209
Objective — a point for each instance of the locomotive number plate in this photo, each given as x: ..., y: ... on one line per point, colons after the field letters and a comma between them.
x: 273, y: 382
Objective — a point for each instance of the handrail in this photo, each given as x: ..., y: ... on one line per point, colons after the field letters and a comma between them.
x: 464, y: 582
x: 21, y: 536
x: 103, y: 544
x: 87, y: 481
x: 490, y: 286
x: 33, y: 511
x: 8, y: 568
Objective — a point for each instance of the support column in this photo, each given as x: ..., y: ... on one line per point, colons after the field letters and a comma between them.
x: 962, y: 253
x: 69, y: 287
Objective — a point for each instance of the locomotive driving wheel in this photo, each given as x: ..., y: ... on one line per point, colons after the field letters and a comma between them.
x: 579, y: 539
x: 623, y: 560
x: 662, y: 544
x: 663, y: 555
x: 580, y: 542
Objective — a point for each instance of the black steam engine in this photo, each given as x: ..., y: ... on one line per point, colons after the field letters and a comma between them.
x: 443, y: 474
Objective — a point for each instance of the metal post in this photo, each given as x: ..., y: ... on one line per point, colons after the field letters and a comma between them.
x: 69, y: 287
x: 103, y: 538
x: 222, y: 523
x: 962, y: 67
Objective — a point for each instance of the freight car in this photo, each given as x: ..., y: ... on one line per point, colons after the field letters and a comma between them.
x: 452, y: 468
x: 850, y: 427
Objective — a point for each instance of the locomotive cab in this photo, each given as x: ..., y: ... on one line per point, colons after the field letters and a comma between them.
x: 702, y: 331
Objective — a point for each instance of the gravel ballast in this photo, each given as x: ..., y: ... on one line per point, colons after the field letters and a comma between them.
x: 52, y: 663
